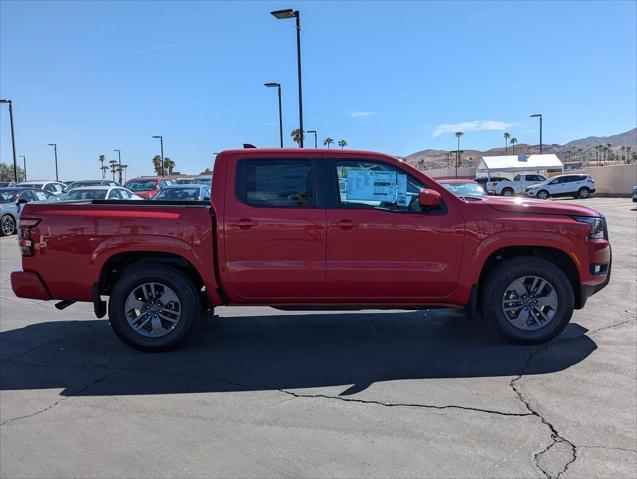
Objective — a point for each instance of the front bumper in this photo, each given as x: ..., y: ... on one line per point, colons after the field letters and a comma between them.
x: 28, y: 285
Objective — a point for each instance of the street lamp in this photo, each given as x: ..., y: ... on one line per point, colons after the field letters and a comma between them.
x: 278, y: 87
x: 161, y: 143
x: 315, y: 137
x: 15, y: 163
x: 284, y: 15
x: 24, y: 166
x: 538, y: 115
x: 119, y: 167
x: 55, y: 150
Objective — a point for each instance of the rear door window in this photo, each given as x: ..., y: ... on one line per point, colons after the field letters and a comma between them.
x: 275, y: 183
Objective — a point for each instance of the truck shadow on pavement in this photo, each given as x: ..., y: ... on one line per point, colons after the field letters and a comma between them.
x: 286, y: 351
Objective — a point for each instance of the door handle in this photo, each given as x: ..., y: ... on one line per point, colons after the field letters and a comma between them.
x: 244, y: 223
x: 345, y: 224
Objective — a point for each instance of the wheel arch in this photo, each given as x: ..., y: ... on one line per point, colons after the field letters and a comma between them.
x: 555, y: 255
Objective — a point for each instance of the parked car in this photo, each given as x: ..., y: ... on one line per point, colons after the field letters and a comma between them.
x: 273, y: 234
x: 184, y: 181
x: 53, y: 187
x: 463, y: 188
x: 11, y: 201
x: 203, y: 180
x: 5, y: 184
x: 578, y: 186
x: 77, y: 184
x: 517, y: 186
x: 191, y: 192
x: 82, y: 193
x: 147, y: 187
x: 484, y: 180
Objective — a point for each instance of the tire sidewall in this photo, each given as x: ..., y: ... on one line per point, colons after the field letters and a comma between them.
x: 545, y: 192
x: 503, y: 276
x: 507, y: 192
x: 583, y: 193
x: 171, y: 277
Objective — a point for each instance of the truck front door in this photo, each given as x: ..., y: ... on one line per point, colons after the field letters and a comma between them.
x: 381, y: 247
x: 274, y: 232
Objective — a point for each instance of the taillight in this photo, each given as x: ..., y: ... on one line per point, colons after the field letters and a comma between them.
x: 24, y: 235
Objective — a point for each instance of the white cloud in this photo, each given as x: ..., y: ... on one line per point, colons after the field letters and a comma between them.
x: 465, y: 126
x: 158, y: 47
x: 361, y: 114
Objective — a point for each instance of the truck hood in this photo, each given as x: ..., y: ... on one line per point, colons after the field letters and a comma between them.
x: 540, y: 207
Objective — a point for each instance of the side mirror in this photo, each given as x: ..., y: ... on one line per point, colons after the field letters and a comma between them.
x: 429, y: 198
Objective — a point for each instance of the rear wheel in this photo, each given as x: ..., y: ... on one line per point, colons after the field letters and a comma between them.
x: 542, y: 195
x: 7, y: 225
x: 527, y: 300
x: 154, y: 308
x: 583, y: 192
x: 507, y: 192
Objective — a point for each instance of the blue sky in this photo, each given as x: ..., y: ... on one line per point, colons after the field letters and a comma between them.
x: 388, y: 76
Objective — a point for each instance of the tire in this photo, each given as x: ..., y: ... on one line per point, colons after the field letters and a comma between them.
x: 512, y: 325
x: 583, y: 193
x: 7, y: 225
x: 507, y: 192
x: 542, y: 195
x: 172, y: 307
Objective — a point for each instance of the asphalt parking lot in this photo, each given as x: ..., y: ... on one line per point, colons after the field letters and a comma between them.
x: 261, y: 393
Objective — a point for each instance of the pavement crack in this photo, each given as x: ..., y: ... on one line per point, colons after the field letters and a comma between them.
x: 62, y: 399
x: 556, y: 438
x: 409, y: 405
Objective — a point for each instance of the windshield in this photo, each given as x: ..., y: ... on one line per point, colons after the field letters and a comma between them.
x: 464, y: 189
x: 176, y: 194
x: 141, y: 185
x: 77, y: 184
x: 86, y: 195
x: 8, y: 196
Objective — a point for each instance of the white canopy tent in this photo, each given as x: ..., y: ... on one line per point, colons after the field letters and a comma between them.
x: 497, y: 165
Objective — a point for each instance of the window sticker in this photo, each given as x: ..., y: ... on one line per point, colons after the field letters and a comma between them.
x: 401, y: 190
x: 365, y: 185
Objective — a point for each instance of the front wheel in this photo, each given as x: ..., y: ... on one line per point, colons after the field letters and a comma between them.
x: 154, y: 308
x: 543, y: 195
x: 7, y: 225
x: 527, y: 300
x: 507, y: 192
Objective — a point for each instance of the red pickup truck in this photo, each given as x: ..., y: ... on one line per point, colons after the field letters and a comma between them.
x: 315, y: 229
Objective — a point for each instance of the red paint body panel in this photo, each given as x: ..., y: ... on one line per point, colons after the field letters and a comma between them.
x: 315, y: 256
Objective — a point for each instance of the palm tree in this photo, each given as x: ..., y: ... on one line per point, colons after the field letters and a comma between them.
x: 102, y: 159
x: 458, y: 135
x: 448, y: 158
x: 623, y: 150
x: 124, y: 170
x: 506, y: 139
x: 113, y: 164
x: 342, y: 143
x: 628, y: 157
x: 104, y: 169
x: 157, y: 164
x: 296, y: 136
x: 328, y: 141
x: 513, y: 141
x: 169, y: 165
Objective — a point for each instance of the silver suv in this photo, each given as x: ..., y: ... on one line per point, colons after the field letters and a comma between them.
x: 578, y: 186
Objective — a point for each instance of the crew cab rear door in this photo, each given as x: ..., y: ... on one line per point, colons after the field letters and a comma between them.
x: 381, y: 246
x: 274, y: 231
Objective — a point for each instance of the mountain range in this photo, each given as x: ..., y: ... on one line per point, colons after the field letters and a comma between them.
x: 575, y: 150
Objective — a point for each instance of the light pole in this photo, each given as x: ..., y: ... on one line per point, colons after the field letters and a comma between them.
x: 536, y: 115
x: 278, y: 87
x: 55, y: 150
x: 315, y: 137
x: 24, y: 166
x: 15, y: 162
x: 283, y: 15
x: 161, y: 143
x: 119, y: 166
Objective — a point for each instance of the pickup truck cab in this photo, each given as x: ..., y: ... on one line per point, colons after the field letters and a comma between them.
x: 515, y: 187
x: 315, y: 229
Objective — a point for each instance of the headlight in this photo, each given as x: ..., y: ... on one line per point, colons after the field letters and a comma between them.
x: 597, y: 225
